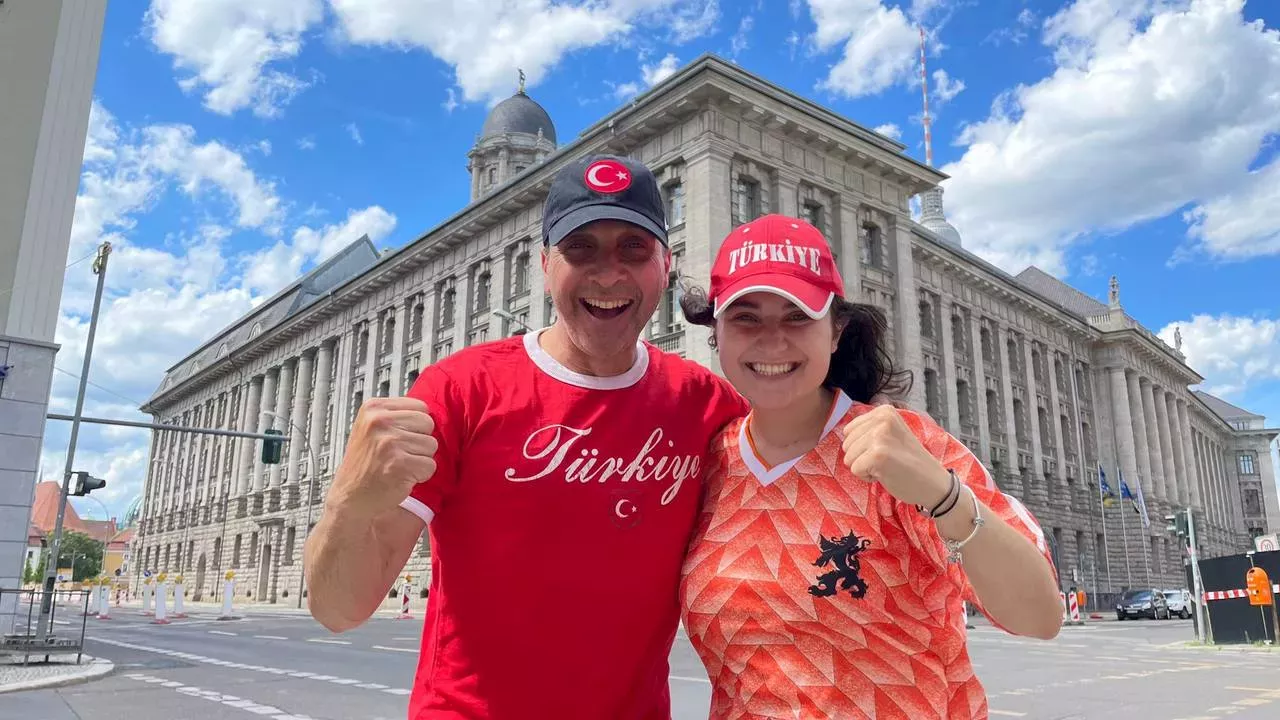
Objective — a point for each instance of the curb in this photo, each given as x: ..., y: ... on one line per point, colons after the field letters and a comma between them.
x: 93, y: 668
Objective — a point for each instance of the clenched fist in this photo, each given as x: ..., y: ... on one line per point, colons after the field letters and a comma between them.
x: 390, y: 451
x: 879, y: 447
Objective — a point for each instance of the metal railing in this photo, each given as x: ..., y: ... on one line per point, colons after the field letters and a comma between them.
x: 20, y: 616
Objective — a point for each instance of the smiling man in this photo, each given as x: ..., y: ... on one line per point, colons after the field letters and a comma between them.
x: 558, y: 474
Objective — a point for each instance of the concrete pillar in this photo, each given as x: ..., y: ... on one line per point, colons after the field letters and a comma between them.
x: 949, y: 376
x: 910, y: 355
x: 262, y: 422
x: 240, y: 459
x: 1123, y: 423
x: 1055, y: 423
x: 463, y: 307
x: 284, y: 396
x: 1175, y: 443
x: 1033, y: 411
x: 320, y: 408
x: 850, y: 250
x: 397, y: 350
x: 1006, y: 389
x: 708, y: 220
x: 341, y: 396
x: 980, y: 390
x: 1188, y: 455
x: 1157, y: 456
x: 298, y: 445
x: 788, y: 196
x: 1140, y: 435
x: 371, y: 359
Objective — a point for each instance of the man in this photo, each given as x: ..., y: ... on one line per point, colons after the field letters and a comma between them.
x: 558, y: 476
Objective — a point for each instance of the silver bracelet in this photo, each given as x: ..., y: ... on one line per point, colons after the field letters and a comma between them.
x: 953, y: 546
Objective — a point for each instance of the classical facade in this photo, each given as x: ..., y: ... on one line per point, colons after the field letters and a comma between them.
x: 1045, y: 384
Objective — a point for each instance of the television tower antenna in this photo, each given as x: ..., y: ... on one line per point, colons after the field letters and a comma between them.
x: 927, y: 121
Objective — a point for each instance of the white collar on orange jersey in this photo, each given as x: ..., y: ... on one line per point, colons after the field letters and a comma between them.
x: 768, y: 475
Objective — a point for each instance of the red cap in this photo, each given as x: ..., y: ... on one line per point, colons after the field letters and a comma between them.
x: 782, y: 255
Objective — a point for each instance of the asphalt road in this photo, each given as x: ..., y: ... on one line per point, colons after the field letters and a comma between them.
x: 282, y: 666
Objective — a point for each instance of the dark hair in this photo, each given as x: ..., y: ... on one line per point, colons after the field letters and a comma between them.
x: 860, y: 366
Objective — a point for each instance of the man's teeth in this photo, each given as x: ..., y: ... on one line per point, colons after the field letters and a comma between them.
x: 773, y: 369
x: 607, y: 304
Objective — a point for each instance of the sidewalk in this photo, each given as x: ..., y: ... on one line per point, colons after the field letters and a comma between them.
x: 134, y: 606
x: 60, y: 670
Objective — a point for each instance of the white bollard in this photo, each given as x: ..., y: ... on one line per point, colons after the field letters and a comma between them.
x: 179, y: 589
x: 91, y: 607
x: 405, y: 592
x: 147, y: 598
x: 228, y: 593
x: 104, y: 606
x: 161, y: 591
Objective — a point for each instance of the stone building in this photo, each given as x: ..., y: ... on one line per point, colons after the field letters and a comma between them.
x: 1044, y: 383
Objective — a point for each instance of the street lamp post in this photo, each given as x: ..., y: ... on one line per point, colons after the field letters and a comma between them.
x: 313, y: 462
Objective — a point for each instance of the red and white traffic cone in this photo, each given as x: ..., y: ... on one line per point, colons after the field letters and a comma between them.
x: 404, y: 602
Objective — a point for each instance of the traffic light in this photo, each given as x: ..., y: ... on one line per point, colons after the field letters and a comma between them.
x: 272, y: 448
x: 1176, y: 524
x: 82, y: 483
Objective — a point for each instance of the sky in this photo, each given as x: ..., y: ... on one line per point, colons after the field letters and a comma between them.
x: 232, y: 146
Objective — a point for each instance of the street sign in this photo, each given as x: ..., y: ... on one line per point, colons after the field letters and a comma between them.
x: 1267, y: 543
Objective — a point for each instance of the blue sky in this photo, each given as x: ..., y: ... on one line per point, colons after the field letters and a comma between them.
x: 232, y: 148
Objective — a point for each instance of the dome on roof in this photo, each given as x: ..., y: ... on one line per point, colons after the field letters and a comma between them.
x: 518, y: 114
x: 934, y: 218
x: 131, y: 514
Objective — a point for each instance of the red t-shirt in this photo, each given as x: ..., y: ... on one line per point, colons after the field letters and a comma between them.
x: 559, y: 517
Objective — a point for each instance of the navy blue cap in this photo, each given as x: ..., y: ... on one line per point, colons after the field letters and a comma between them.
x: 603, y: 187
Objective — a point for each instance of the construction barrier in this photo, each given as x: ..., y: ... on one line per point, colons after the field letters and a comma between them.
x: 228, y: 595
x: 179, y: 590
x: 104, y: 604
x: 162, y: 590
x: 147, y: 597
x: 405, y: 592
x: 1074, y: 602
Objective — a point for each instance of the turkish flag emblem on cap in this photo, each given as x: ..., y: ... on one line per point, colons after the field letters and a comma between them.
x: 607, y: 176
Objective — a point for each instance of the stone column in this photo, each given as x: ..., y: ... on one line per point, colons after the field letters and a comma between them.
x: 788, y: 196
x: 397, y: 350
x: 501, y: 293
x: 320, y: 410
x: 537, y: 294
x: 1175, y: 441
x: 219, y: 447
x: 910, y: 356
x: 462, y: 308
x: 341, y: 397
x: 1006, y: 387
x: 1158, y: 473
x: 431, y: 300
x: 298, y: 445
x: 850, y: 250
x: 708, y: 219
x: 1055, y: 422
x: 1140, y: 433
x: 1033, y: 411
x: 371, y: 358
x: 262, y: 422
x: 1188, y: 454
x: 1123, y: 421
x: 284, y: 393
x: 980, y: 391
x: 948, y: 377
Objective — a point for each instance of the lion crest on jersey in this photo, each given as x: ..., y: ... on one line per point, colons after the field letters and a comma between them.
x: 842, y: 553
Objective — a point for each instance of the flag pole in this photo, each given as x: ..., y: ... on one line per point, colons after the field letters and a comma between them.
x: 1106, y: 546
x: 1141, y: 507
x: 1124, y: 530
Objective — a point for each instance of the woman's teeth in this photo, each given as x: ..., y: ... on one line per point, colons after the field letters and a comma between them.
x: 772, y: 369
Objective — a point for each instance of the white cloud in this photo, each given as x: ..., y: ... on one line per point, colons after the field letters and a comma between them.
x: 945, y: 88
x: 739, y: 42
x: 650, y: 74
x: 269, y: 270
x: 354, y: 132
x: 880, y: 45
x: 451, y: 100
x: 485, y: 41
x: 890, y: 130
x: 1244, y: 222
x: 231, y: 50
x: 1017, y: 34
x: 165, y: 293
x: 1145, y: 113
x: 1232, y: 353
x: 307, y: 143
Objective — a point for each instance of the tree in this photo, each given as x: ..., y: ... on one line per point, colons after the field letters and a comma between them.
x: 84, y: 551
x: 35, y: 573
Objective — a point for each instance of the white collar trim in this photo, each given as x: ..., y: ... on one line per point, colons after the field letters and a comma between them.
x: 768, y: 476
x: 549, y: 365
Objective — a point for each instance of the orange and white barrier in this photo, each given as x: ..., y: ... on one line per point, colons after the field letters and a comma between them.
x: 405, y: 592
x: 1073, y: 601
x: 1232, y: 594
x: 179, y: 590
x: 162, y: 591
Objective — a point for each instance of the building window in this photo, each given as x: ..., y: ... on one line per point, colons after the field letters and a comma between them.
x: 255, y: 331
x: 675, y: 204
x: 290, y: 536
x: 932, y: 399
x: 747, y: 200
x: 388, y: 333
x: 872, y: 246
x: 984, y: 335
x: 483, y: 282
x: 384, y: 388
x: 1015, y: 364
x: 1252, y: 501
x: 958, y: 340
x: 1046, y: 433
x: 965, y: 406
x: 811, y: 212
x: 519, y: 169
x: 1035, y: 367
x: 522, y: 272
x: 447, y: 308
x: 1247, y: 465
x: 493, y: 176
x: 412, y: 377
x: 415, y: 328
x: 994, y: 424
x: 926, y: 319
x: 1020, y: 423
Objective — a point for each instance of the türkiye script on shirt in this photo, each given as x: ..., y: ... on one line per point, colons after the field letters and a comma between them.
x: 566, y: 453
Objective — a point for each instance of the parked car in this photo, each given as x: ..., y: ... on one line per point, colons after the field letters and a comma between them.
x: 1145, y: 602
x: 1180, y: 603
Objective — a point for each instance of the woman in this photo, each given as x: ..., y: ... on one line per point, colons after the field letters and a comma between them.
x: 838, y: 540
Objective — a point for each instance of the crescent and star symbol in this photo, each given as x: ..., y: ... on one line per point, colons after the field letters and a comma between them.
x: 620, y: 512
x: 608, y: 176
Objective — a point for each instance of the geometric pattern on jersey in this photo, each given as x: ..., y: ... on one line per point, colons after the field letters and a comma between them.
x: 774, y: 649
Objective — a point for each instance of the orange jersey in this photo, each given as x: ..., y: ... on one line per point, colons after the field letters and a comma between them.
x: 811, y: 593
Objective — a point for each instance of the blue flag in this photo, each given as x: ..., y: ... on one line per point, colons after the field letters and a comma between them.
x: 1108, y: 495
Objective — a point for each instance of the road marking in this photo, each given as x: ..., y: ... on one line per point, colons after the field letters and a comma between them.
x: 1252, y: 689
x: 681, y: 678
x: 1251, y: 702
x: 1010, y: 713
x: 259, y: 709
x: 271, y: 637
x: 329, y: 642
x: 221, y: 632
x: 241, y: 666
x: 395, y: 649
